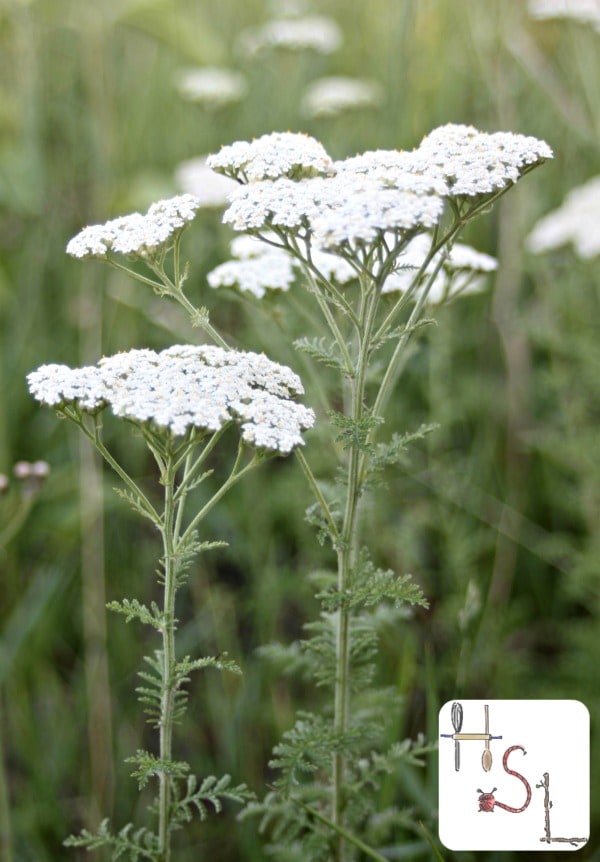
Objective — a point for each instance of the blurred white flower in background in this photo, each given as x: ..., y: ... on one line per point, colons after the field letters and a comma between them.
x: 577, y: 222
x: 211, y: 190
x: 311, y: 33
x: 584, y: 11
x: 328, y: 97
x: 211, y: 87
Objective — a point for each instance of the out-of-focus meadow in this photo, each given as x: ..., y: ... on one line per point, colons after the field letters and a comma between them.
x: 496, y: 513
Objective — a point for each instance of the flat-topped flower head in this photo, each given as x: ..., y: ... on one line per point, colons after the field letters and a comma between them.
x: 477, y: 163
x: 399, y: 169
x: 136, y: 235
x: 185, y: 388
x: 56, y: 385
x: 285, y: 203
x: 272, y: 271
x: 311, y: 33
x: 583, y: 11
x: 577, y: 221
x: 462, y: 271
x: 278, y: 154
x: 345, y: 209
x: 368, y: 210
x: 361, y: 198
x: 212, y: 87
x: 260, y: 268
x: 329, y: 97
x: 210, y: 189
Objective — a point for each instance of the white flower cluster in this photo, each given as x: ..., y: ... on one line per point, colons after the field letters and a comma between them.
x: 211, y: 86
x: 358, y: 211
x: 275, y: 155
x: 460, y: 273
x: 328, y: 97
x: 479, y: 163
x: 136, y: 234
x: 344, y: 209
x: 186, y: 387
x: 584, y: 11
x: 577, y: 221
x: 272, y: 270
x: 210, y: 189
x: 311, y: 33
x: 259, y: 267
x: 366, y: 195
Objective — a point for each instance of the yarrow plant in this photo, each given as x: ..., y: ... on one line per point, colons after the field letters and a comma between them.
x: 181, y: 402
x: 370, y: 243
x: 391, y: 219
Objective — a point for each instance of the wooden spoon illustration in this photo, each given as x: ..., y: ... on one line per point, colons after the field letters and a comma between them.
x: 486, y: 758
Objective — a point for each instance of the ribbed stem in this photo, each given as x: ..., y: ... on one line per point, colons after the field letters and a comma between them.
x: 168, y: 661
x: 347, y: 556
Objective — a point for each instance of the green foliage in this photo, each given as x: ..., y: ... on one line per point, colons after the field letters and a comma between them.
x: 354, y: 434
x: 369, y: 585
x: 149, y: 766
x: 394, y: 452
x: 135, y: 503
x: 322, y: 350
x: 194, y: 796
x: 131, y: 609
x: 141, y: 844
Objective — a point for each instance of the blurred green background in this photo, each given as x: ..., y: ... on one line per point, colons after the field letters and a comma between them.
x: 496, y: 514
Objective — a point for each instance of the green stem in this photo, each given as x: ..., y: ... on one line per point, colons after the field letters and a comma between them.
x: 333, y: 530
x: 309, y: 270
x: 347, y: 555
x: 391, y: 374
x: 348, y: 836
x: 94, y: 436
x: 167, y: 287
x: 192, y: 468
x: 170, y: 544
x: 198, y: 317
x: 234, y: 477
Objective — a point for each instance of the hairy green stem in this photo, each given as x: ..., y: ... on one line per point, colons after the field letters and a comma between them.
x: 170, y: 543
x: 333, y: 530
x: 347, y: 557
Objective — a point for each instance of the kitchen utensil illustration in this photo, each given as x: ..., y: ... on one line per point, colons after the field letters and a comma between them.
x: 456, y: 716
